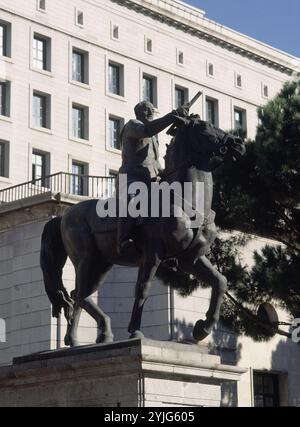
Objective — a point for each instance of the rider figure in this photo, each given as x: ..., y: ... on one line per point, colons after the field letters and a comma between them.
x: 140, y: 157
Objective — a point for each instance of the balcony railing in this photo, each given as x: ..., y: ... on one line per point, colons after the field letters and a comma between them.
x: 62, y: 182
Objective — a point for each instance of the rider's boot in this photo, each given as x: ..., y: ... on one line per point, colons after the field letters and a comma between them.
x: 125, y: 241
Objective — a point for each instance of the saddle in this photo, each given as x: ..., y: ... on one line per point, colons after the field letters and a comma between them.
x: 110, y: 224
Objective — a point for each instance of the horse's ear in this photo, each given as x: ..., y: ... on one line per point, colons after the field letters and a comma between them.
x: 182, y: 121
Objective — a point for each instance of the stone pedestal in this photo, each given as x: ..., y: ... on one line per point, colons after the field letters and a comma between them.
x: 129, y: 373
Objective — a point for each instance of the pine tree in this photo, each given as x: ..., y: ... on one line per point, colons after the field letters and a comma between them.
x: 259, y: 195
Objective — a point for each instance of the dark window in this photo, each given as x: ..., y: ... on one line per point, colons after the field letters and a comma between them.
x: 78, y: 66
x: 40, y: 113
x: 112, y: 183
x: 148, y: 89
x: 240, y: 121
x: 78, y: 170
x: 180, y: 96
x: 3, y: 99
x: 2, y: 159
x: 3, y: 39
x: 266, y: 91
x: 180, y: 58
x: 115, y: 125
x: 239, y: 80
x: 266, y: 390
x: 211, y: 70
x: 41, y: 53
x: 115, y: 32
x: 80, y: 122
x: 114, y: 79
x: 39, y: 168
x: 212, y: 111
x: 79, y: 17
x: 149, y: 45
x: 41, y: 5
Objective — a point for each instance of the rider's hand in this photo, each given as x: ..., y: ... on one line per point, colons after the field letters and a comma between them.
x: 182, y: 111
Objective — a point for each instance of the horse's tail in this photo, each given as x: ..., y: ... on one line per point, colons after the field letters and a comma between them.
x: 52, y: 260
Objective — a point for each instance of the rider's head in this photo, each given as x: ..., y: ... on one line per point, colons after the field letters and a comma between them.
x: 144, y: 111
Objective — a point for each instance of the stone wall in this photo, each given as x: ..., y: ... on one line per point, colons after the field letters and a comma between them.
x: 130, y: 373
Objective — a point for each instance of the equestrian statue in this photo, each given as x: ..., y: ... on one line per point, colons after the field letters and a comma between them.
x: 95, y: 244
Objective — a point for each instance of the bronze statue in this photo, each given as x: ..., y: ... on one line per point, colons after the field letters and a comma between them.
x: 91, y: 242
x: 140, y: 157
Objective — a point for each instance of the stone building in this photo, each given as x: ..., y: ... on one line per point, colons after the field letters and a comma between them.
x: 70, y: 74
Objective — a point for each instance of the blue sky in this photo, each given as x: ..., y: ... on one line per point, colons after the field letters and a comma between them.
x: 275, y: 22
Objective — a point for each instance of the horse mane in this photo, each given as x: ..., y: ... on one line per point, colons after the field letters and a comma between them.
x: 177, y: 150
x: 180, y: 151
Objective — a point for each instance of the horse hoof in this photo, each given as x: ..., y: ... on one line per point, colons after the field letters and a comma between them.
x: 105, y: 339
x: 200, y: 331
x: 70, y: 342
x: 137, y: 335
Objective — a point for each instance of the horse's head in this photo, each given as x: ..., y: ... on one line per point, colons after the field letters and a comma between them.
x: 206, y: 141
x: 196, y: 142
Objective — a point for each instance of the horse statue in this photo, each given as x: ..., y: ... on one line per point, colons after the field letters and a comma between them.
x: 91, y: 241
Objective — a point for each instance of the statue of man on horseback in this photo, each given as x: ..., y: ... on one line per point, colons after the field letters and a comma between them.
x: 93, y: 243
x: 140, y: 158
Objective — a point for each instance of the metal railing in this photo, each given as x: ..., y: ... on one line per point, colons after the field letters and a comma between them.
x: 62, y: 182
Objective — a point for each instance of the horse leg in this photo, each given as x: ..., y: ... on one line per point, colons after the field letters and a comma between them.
x: 145, y: 276
x: 71, y: 338
x: 90, y: 275
x: 205, y: 271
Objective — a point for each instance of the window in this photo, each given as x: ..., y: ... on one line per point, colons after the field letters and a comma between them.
x: 39, y: 168
x: 4, y: 98
x: 115, y: 32
x: 181, y: 96
x: 240, y: 119
x: 111, y: 190
x: 78, y: 179
x: 80, y: 122
x: 4, y: 159
x: 41, y: 5
x: 238, y: 80
x: 212, y: 111
x: 80, y: 69
x: 148, y: 45
x: 115, y: 127
x: 2, y: 39
x: 41, y: 110
x: 5, y: 39
x: 41, y: 53
x: 266, y: 390
x: 180, y: 57
x: 116, y: 78
x: 265, y: 91
x: 79, y: 17
x: 210, y: 69
x: 149, y: 89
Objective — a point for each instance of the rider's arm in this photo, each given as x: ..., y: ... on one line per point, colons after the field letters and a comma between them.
x: 139, y: 130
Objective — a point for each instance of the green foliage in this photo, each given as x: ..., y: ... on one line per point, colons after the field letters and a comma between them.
x: 259, y: 195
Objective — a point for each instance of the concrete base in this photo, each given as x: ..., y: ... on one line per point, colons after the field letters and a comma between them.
x: 129, y: 373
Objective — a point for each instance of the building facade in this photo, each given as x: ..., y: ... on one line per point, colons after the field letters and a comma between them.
x: 70, y: 75
x: 72, y: 71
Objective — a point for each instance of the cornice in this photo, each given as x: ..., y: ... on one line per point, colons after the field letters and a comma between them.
x: 192, y: 21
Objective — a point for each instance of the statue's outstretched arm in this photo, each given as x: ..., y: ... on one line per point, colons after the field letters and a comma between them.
x: 158, y: 125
